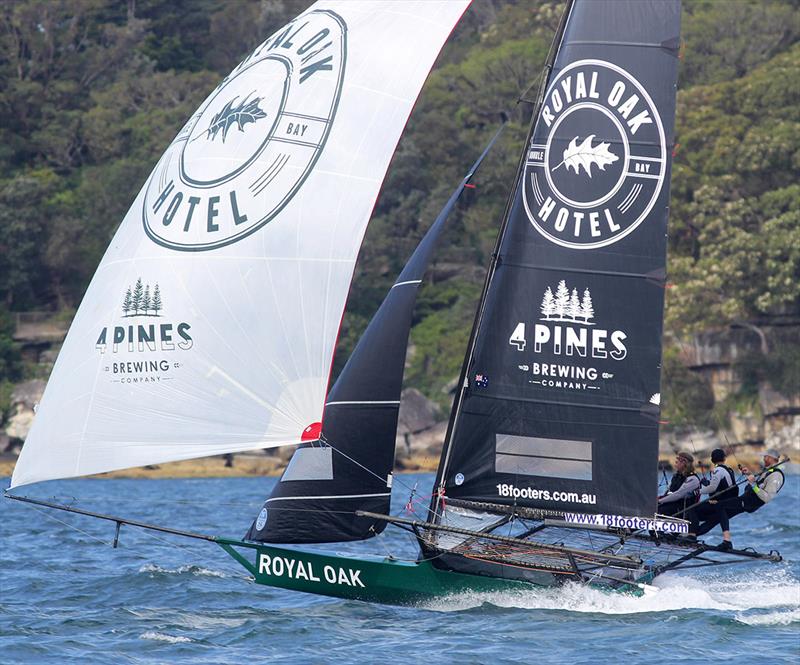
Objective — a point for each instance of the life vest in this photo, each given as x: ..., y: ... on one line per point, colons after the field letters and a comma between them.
x: 677, y: 480
x: 750, y: 500
x: 729, y: 490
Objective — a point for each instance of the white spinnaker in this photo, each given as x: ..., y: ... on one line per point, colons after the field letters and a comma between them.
x: 249, y: 228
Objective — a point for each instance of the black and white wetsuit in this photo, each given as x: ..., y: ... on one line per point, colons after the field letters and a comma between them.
x: 766, y: 486
x: 722, y: 487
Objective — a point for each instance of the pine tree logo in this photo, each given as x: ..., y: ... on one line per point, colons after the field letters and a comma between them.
x: 139, y: 301
x: 566, y: 306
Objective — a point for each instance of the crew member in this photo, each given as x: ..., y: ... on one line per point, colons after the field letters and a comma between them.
x: 761, y: 489
x: 684, y: 491
x: 720, y: 487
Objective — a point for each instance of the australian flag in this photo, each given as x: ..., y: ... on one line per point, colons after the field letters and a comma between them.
x: 481, y: 380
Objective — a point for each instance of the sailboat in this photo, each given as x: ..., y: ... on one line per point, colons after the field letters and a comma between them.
x: 210, y: 325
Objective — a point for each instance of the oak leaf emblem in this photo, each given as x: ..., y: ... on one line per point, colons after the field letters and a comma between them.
x: 585, y: 155
x: 245, y: 113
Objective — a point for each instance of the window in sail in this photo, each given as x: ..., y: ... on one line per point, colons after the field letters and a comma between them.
x: 310, y: 464
x: 539, y: 456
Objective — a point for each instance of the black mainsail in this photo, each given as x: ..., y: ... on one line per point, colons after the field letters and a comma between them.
x: 559, y: 403
x: 348, y: 468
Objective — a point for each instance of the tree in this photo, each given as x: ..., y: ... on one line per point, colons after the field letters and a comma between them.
x: 10, y: 359
x: 587, y: 309
x: 562, y: 300
x: 574, y: 309
x: 157, y: 305
x: 146, y: 304
x: 548, y: 307
x: 138, y: 296
x: 127, y: 303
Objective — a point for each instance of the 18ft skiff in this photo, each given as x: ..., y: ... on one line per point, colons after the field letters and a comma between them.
x: 214, y: 313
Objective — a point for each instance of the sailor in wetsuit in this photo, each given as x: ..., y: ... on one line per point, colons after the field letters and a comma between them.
x: 720, y: 487
x: 684, y: 491
x: 761, y: 489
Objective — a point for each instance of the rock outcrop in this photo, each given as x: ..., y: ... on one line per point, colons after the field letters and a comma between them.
x: 24, y: 399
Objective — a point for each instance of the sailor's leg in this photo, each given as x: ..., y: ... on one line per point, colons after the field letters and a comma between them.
x: 694, y: 523
x: 727, y: 509
x: 669, y: 509
x: 730, y: 508
x: 709, y: 524
x: 704, y: 512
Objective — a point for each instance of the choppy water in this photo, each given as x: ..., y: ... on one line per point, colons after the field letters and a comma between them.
x: 66, y: 597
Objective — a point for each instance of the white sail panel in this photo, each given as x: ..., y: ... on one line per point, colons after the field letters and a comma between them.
x: 210, y: 324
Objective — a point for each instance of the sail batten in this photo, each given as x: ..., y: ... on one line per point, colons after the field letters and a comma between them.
x: 210, y: 325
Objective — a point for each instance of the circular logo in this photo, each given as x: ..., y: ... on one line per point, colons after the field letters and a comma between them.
x: 253, y: 143
x: 597, y: 160
x: 459, y: 479
x: 261, y: 520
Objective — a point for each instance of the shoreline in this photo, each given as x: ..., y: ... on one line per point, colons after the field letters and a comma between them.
x: 253, y: 465
x: 244, y: 466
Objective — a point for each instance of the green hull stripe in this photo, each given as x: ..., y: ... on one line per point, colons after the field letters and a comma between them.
x: 382, y: 580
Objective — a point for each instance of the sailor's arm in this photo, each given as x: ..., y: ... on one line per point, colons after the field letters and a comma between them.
x: 767, y: 488
x: 716, y: 476
x: 690, y: 485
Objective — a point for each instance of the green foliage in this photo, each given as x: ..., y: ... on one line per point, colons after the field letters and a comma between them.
x: 726, y: 40
x: 780, y: 368
x: 439, y: 340
x: 10, y: 360
x: 92, y: 91
x: 735, y: 235
x: 687, y: 399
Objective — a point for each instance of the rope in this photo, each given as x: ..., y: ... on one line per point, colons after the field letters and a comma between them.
x: 68, y: 525
x: 368, y: 470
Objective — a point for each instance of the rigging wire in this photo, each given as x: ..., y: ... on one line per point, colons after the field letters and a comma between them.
x: 68, y: 525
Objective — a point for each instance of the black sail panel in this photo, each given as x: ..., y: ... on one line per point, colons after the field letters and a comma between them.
x: 560, y: 404
x: 348, y: 468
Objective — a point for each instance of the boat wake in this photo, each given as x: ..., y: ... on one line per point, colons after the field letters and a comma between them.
x: 743, y: 597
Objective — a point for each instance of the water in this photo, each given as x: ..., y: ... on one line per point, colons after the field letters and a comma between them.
x: 65, y: 597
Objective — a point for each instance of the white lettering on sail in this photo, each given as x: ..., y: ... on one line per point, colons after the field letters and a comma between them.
x: 597, y: 161
x: 567, y: 329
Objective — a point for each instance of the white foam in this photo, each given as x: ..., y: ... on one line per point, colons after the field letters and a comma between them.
x: 163, y: 637
x: 770, y: 619
x: 191, y: 569
x: 675, y: 591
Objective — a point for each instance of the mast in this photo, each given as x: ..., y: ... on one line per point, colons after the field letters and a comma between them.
x: 454, y: 412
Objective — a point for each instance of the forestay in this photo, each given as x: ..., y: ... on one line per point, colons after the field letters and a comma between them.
x: 560, y: 404
x: 211, y: 321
